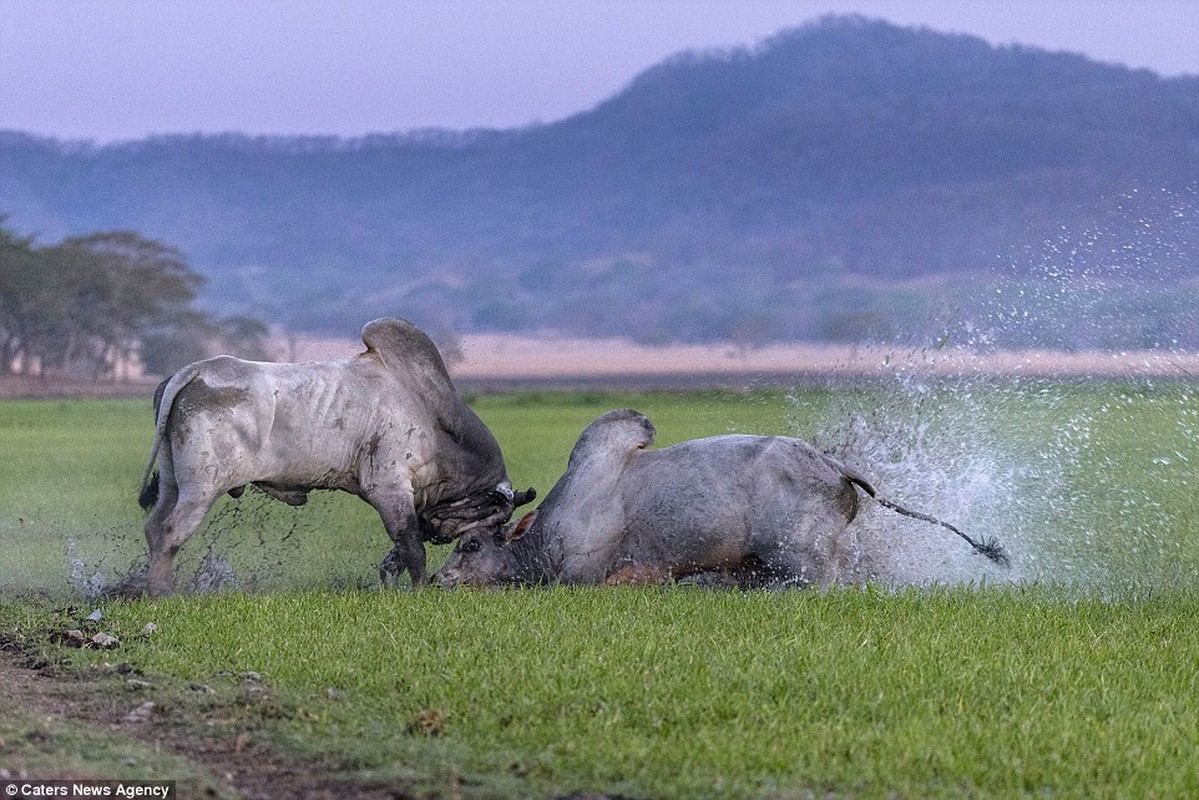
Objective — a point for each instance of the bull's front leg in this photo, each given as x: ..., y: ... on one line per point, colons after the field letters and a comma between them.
x: 408, y: 551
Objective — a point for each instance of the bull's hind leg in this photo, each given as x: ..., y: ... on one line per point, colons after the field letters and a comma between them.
x: 803, y: 556
x: 174, y: 519
x: 158, y: 572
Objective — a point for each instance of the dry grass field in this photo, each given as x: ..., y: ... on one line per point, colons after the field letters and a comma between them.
x: 496, y: 356
x: 503, y: 362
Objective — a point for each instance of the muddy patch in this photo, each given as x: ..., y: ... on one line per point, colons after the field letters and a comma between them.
x: 113, y: 722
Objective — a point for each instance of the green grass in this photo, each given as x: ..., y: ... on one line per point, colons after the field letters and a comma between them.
x: 1081, y: 683
x: 63, y: 469
x: 71, y: 470
x: 688, y: 693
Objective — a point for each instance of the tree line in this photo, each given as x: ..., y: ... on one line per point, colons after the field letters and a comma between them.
x: 100, y: 304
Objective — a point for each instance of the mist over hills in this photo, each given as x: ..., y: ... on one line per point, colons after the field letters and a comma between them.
x: 847, y: 180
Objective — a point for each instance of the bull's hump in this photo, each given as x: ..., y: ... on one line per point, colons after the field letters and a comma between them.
x: 398, y: 344
x: 612, y: 436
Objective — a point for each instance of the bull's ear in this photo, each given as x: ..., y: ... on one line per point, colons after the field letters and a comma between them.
x: 518, y: 530
x: 521, y: 498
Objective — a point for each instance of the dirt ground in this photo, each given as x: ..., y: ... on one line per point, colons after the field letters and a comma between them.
x: 212, y: 741
x: 62, y: 712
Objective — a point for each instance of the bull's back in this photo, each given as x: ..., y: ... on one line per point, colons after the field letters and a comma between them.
x: 717, y: 499
x: 290, y: 423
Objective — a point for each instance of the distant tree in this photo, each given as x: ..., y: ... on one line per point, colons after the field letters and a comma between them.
x: 92, y: 303
x: 17, y: 316
x: 751, y: 331
x: 118, y: 284
x: 167, y: 348
x: 195, y: 335
x: 245, y: 337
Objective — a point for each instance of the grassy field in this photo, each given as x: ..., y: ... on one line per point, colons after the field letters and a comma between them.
x: 69, y: 482
x: 1077, y: 680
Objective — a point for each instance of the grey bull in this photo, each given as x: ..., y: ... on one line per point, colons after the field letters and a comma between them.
x: 759, y: 510
x: 386, y: 425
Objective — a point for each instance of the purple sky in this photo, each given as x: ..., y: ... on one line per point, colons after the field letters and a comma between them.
x: 122, y: 69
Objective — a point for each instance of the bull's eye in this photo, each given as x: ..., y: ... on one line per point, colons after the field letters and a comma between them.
x: 469, y: 546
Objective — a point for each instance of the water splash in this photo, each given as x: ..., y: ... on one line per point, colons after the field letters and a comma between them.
x: 1087, y: 483
x: 215, y: 574
x: 90, y: 581
x: 256, y: 543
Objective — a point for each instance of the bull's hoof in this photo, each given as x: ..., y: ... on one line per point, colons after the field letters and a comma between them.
x: 390, y: 570
x: 132, y: 585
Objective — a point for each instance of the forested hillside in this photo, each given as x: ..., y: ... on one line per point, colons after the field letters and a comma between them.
x: 845, y: 180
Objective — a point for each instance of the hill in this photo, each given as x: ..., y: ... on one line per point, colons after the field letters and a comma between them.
x: 849, y: 179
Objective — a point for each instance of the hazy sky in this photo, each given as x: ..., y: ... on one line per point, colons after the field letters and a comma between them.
x: 122, y: 69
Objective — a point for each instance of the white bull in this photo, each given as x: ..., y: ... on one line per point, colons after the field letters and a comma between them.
x: 387, y: 425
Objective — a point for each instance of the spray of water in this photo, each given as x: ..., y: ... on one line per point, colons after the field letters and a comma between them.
x: 1088, y: 484
x: 250, y: 544
x: 256, y: 543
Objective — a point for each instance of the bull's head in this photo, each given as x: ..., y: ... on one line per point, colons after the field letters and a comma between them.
x: 485, y: 511
x: 482, y: 559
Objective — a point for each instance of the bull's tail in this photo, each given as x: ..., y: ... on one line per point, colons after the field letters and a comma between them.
x: 991, y: 548
x: 148, y: 496
x: 164, y: 398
